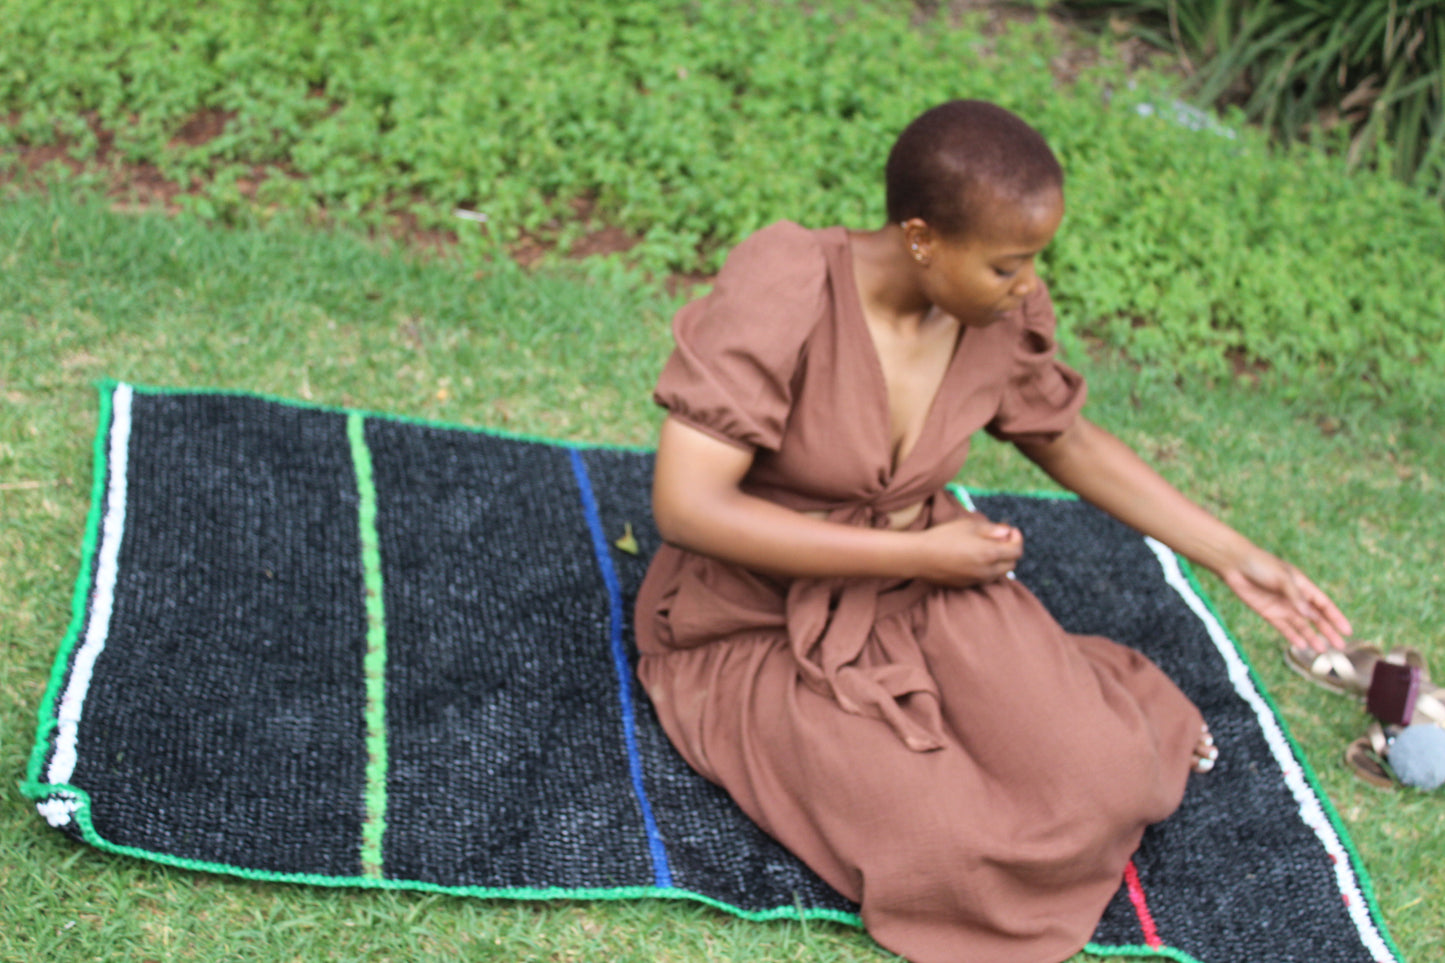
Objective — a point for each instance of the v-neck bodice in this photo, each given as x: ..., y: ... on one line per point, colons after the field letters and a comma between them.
x: 837, y: 447
x: 778, y: 358
x: 849, y: 296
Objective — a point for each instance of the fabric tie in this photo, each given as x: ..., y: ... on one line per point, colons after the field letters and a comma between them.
x: 831, y: 623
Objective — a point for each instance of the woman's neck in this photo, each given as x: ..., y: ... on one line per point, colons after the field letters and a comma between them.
x: 887, y: 278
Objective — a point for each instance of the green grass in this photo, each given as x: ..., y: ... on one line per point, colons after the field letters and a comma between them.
x: 1352, y: 495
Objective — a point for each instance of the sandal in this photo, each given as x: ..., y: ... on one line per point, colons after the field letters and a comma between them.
x: 1343, y: 671
x: 1421, y: 763
x: 1430, y: 707
x: 1366, y: 757
x: 1348, y: 671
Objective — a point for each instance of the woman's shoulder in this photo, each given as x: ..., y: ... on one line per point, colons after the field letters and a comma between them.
x: 784, y: 247
x: 782, y: 269
x: 738, y: 349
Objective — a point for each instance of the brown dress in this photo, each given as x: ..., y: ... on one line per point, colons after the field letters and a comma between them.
x: 951, y: 759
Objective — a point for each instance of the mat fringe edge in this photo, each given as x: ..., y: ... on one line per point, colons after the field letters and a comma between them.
x: 88, y: 833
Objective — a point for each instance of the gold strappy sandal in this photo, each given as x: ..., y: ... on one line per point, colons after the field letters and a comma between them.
x: 1348, y: 671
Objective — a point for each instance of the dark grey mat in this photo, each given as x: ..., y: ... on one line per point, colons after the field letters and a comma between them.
x: 325, y: 647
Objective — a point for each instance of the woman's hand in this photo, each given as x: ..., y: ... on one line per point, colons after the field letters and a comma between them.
x: 1287, y: 600
x: 1107, y: 473
x: 968, y: 551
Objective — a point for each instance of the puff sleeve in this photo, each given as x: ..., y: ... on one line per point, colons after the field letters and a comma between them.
x: 738, y: 351
x: 1043, y: 395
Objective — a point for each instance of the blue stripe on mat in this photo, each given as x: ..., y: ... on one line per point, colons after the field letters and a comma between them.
x: 662, y: 873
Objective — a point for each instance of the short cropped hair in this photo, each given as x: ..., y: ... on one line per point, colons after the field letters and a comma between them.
x: 953, y: 157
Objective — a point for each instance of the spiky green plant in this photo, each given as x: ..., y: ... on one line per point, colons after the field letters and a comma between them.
x: 1374, y: 69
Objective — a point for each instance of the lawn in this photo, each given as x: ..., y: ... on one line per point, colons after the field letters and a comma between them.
x: 1352, y: 496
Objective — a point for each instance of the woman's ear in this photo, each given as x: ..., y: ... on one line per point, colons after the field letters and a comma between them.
x: 919, y: 238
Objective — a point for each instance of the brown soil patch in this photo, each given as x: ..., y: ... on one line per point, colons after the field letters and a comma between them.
x: 130, y: 186
x: 202, y: 128
x: 1246, y: 367
x: 599, y: 238
x: 1078, y: 47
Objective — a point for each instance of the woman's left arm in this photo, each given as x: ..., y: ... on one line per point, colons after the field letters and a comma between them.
x: 1107, y: 473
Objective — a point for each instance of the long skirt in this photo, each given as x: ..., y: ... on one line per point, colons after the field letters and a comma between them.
x: 1005, y: 838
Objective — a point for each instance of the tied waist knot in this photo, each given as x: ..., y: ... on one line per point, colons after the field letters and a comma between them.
x: 831, y: 623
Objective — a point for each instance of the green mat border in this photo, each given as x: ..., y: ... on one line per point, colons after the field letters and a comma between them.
x: 35, y: 789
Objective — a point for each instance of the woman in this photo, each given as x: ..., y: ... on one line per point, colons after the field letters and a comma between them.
x: 832, y: 638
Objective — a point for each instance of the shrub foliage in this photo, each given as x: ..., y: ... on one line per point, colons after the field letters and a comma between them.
x: 1190, y: 244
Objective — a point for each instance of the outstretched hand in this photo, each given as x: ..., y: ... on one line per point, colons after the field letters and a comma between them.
x: 1289, y: 601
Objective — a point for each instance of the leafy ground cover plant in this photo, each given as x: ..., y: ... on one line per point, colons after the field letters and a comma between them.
x: 680, y: 127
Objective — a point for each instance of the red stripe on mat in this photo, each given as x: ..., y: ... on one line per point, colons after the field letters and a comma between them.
x: 1141, y: 907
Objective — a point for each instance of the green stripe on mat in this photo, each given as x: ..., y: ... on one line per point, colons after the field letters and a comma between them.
x: 373, y: 830
x: 1146, y: 952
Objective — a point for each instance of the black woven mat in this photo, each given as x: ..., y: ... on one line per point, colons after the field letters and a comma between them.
x: 319, y: 646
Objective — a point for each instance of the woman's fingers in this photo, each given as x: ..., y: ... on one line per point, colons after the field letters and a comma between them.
x: 1299, y: 632
x: 1318, y: 621
x: 1290, y: 602
x: 1329, y: 619
x: 971, y: 550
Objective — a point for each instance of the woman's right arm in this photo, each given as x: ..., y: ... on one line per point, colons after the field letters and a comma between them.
x: 698, y: 505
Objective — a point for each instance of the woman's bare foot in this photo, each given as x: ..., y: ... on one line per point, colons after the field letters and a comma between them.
x: 1206, y: 753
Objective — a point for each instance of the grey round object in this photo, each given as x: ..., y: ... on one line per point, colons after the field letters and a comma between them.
x: 1418, y: 756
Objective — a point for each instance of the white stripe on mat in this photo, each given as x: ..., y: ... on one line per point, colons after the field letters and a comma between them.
x: 72, y: 702
x: 1312, y: 812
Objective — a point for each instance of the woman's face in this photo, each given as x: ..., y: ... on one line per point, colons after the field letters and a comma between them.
x: 987, y: 273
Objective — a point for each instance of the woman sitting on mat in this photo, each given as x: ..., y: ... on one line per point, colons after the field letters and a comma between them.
x: 830, y: 636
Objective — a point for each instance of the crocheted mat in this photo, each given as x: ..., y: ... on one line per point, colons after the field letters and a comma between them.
x: 339, y: 648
